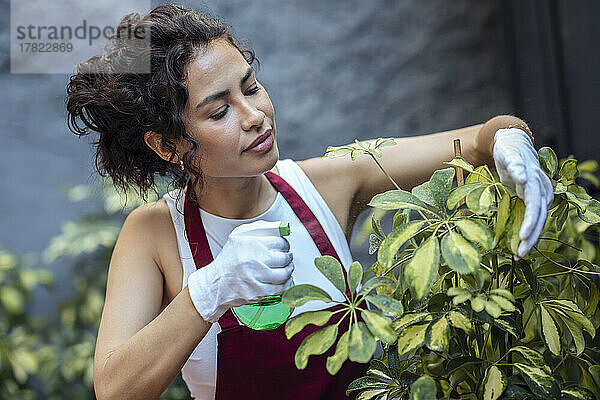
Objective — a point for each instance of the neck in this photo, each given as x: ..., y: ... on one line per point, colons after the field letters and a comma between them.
x: 237, y: 198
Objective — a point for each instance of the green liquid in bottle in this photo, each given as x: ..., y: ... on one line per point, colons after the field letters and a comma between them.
x: 269, y: 312
x: 266, y: 314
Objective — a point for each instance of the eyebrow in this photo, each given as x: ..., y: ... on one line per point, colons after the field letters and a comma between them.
x: 223, y: 93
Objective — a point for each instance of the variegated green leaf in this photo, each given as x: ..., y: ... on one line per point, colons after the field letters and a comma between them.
x: 460, y: 254
x: 380, y: 327
x: 386, y: 304
x: 440, y: 185
x: 460, y: 162
x: 409, y: 319
x: 423, y: 388
x: 540, y: 383
x: 548, y: 160
x: 459, y: 320
x: 533, y: 357
x: 410, y: 338
x: 355, y: 273
x: 300, y: 294
x: 361, y: 344
x: 514, y: 225
x: 422, y: 269
x: 502, y: 217
x: 493, y: 384
x: 437, y: 335
x: 550, y: 331
x: 480, y: 200
x: 460, y: 192
x: 316, y: 343
x: 396, y: 199
x: 297, y: 323
x: 475, y: 231
x: 376, y: 282
x: 399, y: 236
x: 332, y: 269
x: 335, y: 362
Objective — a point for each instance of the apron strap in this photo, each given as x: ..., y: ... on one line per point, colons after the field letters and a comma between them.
x: 199, y: 242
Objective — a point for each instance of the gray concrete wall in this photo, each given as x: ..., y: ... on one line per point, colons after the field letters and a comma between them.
x: 335, y: 71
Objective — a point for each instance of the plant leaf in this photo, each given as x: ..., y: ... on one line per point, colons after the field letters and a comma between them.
x: 380, y: 327
x: 550, y: 331
x: 577, y: 333
x: 460, y: 192
x: 386, y: 304
x: 533, y: 357
x: 540, y: 383
x: 514, y: 225
x: 502, y: 217
x: 332, y: 269
x: 409, y: 319
x: 423, y: 388
x: 334, y: 362
x: 460, y: 162
x: 568, y: 169
x: 460, y: 254
x: 390, y: 245
x: 354, y: 276
x: 361, y: 344
x: 423, y: 192
x: 548, y: 160
x: 480, y: 200
x: 493, y: 384
x: 410, y: 338
x: 461, y: 321
x: 437, y: 335
x: 297, y: 323
x: 376, y: 282
x: 475, y: 231
x: 364, y: 382
x: 480, y: 174
x: 573, y: 311
x: 396, y: 199
x: 300, y: 294
x: 577, y: 393
x: 422, y: 269
x: 333, y: 152
x: 316, y: 343
x: 440, y: 185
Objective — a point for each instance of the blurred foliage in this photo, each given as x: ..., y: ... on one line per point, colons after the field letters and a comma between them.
x: 51, y: 356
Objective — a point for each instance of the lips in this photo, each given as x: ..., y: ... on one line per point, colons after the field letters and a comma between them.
x: 259, y: 139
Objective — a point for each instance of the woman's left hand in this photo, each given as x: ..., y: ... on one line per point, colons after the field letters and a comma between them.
x: 518, y: 166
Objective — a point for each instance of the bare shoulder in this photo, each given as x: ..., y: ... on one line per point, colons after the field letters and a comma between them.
x: 338, y: 180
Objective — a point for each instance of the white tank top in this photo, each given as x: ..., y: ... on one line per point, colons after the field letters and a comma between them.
x: 199, y: 372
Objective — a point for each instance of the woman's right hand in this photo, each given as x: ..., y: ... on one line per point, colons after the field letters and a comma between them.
x: 250, y: 266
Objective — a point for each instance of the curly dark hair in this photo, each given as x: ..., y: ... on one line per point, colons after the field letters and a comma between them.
x: 121, y: 106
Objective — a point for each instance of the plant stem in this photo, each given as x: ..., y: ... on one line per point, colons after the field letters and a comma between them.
x: 384, y: 171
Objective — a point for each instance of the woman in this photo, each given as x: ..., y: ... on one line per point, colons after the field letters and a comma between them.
x: 202, y: 118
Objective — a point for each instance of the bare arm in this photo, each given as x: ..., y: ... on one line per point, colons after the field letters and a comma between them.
x: 139, y: 352
x: 413, y: 160
x: 347, y: 186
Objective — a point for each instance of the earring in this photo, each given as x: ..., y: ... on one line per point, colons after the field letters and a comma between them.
x: 181, y: 165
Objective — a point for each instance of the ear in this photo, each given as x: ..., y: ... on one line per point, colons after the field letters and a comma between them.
x: 155, y: 142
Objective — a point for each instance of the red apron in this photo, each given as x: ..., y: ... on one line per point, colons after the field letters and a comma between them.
x: 260, y: 364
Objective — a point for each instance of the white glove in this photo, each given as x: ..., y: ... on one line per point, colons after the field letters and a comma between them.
x: 255, y: 262
x: 518, y: 166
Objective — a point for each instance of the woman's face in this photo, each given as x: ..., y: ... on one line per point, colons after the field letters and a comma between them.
x: 227, y: 110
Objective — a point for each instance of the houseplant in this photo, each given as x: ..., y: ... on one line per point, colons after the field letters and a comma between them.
x: 456, y: 314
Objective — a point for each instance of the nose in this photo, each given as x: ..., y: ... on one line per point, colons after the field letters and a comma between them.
x: 251, y: 116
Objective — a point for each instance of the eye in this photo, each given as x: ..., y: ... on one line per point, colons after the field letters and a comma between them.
x: 220, y: 115
x: 253, y: 90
